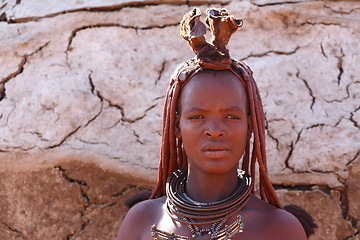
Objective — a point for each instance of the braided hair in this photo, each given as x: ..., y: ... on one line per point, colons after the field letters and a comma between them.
x: 214, y: 55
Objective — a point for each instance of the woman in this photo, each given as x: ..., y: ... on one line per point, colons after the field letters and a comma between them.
x: 211, y: 110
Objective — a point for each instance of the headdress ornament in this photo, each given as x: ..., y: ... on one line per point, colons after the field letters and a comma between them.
x: 213, y: 54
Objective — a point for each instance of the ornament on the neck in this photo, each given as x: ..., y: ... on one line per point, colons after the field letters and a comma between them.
x: 193, y: 214
x: 214, y: 233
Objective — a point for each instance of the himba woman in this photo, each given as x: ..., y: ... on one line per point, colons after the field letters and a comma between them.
x: 211, y: 111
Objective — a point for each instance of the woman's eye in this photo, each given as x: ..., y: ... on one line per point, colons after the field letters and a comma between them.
x: 196, y: 117
x: 232, y: 117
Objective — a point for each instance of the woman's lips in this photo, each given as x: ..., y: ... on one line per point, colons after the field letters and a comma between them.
x: 215, y: 151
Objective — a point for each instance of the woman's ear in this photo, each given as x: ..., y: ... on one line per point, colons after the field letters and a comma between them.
x: 177, y: 126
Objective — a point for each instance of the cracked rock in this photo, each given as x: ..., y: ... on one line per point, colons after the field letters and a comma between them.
x: 75, y: 199
x: 329, y: 219
x: 353, y: 193
x: 7, y: 232
x: 32, y: 206
x: 132, y: 73
x: 310, y: 153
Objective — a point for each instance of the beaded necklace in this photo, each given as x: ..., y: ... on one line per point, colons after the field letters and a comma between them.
x: 183, y: 209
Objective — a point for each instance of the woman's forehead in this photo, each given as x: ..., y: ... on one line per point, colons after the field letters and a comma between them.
x: 215, y: 87
x: 212, y: 79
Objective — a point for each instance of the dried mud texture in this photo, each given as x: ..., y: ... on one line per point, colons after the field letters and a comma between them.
x: 86, y: 81
x: 325, y: 207
x: 351, y: 209
x: 71, y: 200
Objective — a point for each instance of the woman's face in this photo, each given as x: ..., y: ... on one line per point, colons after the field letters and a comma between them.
x: 213, y: 121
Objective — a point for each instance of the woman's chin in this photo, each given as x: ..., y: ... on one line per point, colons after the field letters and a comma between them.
x: 218, y: 167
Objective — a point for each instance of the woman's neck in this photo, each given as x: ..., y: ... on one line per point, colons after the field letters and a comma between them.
x: 208, y: 187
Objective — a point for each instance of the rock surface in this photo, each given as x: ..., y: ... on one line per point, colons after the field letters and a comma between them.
x: 329, y: 218
x: 82, y: 85
x: 353, y: 195
x: 72, y: 200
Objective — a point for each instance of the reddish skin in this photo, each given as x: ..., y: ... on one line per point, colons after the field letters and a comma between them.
x: 213, y: 125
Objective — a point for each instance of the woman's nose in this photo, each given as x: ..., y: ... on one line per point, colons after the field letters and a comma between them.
x: 214, y: 130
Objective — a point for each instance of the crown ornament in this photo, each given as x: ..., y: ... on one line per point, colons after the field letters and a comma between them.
x: 213, y: 54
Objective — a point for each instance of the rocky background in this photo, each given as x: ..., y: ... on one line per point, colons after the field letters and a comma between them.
x: 82, y: 85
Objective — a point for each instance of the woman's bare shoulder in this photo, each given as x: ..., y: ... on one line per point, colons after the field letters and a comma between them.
x: 140, y: 217
x: 278, y: 223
